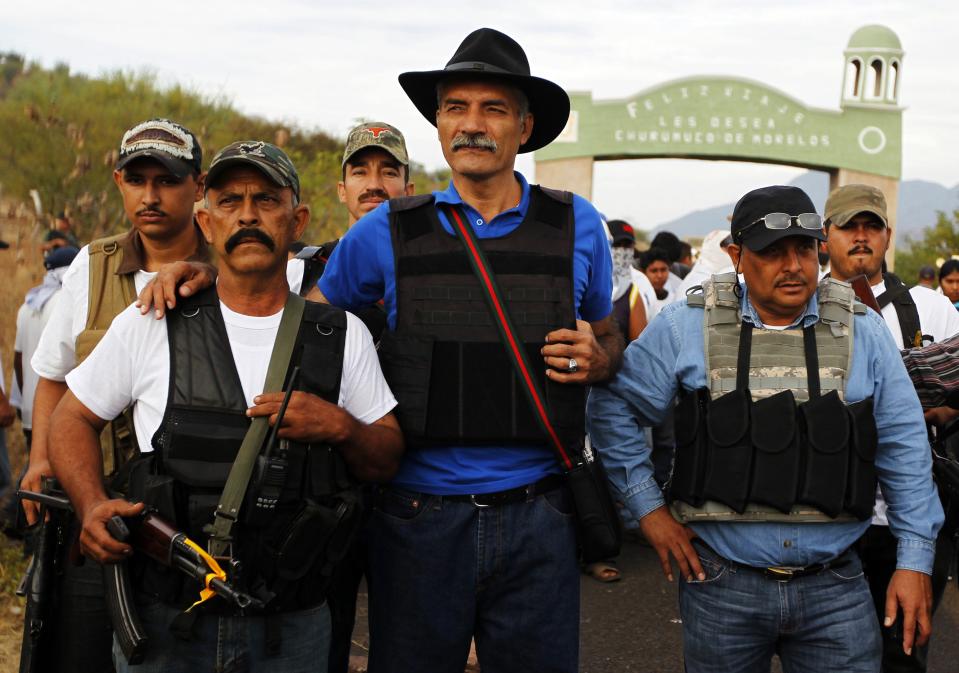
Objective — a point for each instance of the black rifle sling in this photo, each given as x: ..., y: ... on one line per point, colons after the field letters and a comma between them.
x: 499, y: 311
x: 906, y: 311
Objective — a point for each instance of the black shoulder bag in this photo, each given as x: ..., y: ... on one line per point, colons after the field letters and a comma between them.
x: 598, y: 523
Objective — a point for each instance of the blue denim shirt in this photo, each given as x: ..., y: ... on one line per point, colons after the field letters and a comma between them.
x: 669, y: 356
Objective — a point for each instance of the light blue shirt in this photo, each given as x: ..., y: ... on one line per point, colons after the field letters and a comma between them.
x: 668, y: 357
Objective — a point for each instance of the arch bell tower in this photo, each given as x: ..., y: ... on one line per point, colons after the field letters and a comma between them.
x: 870, y: 95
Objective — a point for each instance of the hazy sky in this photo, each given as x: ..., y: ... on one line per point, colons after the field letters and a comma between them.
x: 324, y: 65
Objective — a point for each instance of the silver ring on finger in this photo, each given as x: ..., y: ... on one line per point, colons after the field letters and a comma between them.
x: 573, y: 366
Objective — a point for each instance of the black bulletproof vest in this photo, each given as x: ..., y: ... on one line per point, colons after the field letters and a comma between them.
x: 621, y: 310
x: 198, y: 439
x: 898, y: 294
x: 445, y: 361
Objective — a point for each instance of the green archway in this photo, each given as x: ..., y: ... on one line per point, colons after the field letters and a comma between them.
x: 733, y: 119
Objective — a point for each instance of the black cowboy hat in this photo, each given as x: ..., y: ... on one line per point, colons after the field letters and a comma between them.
x: 490, y: 53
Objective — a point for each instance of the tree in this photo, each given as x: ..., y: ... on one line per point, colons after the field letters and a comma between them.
x: 938, y: 242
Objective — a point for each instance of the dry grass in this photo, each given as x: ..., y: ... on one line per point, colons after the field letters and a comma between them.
x: 20, y: 268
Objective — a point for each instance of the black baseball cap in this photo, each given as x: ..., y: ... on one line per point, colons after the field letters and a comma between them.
x: 621, y: 231
x: 760, y: 202
x: 165, y: 141
x: 62, y: 256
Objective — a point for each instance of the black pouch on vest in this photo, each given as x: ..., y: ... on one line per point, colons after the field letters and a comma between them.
x: 826, y: 456
x: 406, y: 366
x: 213, y: 432
x: 154, y: 490
x: 689, y: 468
x: 729, y: 464
x: 318, y: 529
x: 776, y: 461
x: 861, y: 487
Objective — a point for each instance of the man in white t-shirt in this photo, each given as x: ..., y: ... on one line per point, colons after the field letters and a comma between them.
x: 178, y: 369
x: 158, y: 175
x: 858, y: 237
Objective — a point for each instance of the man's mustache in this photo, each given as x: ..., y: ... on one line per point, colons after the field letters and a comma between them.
x: 798, y: 280
x: 374, y: 194
x: 479, y: 141
x: 150, y: 211
x: 251, y: 234
x: 860, y: 249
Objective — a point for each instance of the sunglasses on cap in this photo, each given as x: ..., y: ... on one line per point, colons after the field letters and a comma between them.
x: 811, y: 221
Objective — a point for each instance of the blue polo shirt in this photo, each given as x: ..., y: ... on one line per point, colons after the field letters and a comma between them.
x: 361, y: 271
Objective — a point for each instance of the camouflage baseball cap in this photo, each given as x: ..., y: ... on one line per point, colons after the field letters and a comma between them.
x: 376, y: 134
x: 165, y: 141
x: 268, y: 159
x: 845, y: 202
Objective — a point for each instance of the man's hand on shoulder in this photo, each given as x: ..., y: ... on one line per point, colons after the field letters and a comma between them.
x: 596, y: 348
x: 178, y: 279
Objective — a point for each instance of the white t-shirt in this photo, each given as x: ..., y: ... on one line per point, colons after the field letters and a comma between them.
x: 56, y: 354
x: 938, y: 318
x: 30, y: 324
x: 131, y: 366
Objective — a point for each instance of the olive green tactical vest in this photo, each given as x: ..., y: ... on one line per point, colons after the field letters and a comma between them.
x: 777, y: 363
x: 109, y: 293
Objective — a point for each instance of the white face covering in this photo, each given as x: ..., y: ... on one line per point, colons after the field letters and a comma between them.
x: 622, y: 274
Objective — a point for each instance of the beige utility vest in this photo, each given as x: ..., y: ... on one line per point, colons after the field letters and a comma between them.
x: 777, y: 362
x: 109, y: 293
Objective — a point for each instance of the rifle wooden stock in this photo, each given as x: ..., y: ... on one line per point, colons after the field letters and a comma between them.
x: 860, y: 285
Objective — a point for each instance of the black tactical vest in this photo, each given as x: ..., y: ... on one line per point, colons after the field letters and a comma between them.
x: 286, y: 559
x: 778, y: 443
x: 444, y: 361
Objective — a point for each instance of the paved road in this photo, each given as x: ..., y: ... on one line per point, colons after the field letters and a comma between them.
x: 633, y: 625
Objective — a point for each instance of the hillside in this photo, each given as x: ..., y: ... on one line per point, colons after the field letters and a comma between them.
x: 919, y: 202
x: 59, y: 133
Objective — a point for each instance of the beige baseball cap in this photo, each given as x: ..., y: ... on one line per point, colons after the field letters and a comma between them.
x: 845, y: 202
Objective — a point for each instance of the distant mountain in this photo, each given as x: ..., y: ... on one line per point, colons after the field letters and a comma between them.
x: 919, y: 201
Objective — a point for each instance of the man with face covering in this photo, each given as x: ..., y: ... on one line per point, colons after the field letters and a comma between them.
x: 629, y: 310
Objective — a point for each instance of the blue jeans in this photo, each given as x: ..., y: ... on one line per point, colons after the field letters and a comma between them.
x: 735, y: 620
x: 232, y: 644
x: 442, y: 573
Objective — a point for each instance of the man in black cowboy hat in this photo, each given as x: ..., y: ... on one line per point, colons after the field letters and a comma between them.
x: 474, y: 538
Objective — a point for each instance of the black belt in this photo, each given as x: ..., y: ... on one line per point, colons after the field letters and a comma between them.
x: 787, y: 573
x: 511, y: 495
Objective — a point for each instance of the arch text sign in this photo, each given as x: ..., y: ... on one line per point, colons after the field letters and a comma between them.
x: 725, y: 118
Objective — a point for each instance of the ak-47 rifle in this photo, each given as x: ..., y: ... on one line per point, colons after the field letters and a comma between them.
x: 147, y: 533
x: 41, y: 584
